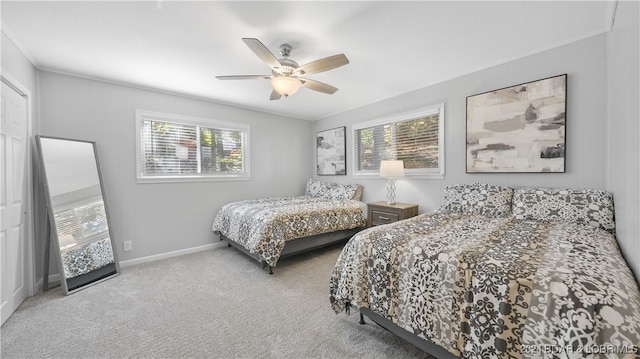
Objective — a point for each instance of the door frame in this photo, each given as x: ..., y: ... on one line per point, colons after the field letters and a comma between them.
x: 30, y: 275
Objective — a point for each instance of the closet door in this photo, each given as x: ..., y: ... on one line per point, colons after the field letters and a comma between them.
x: 13, y: 238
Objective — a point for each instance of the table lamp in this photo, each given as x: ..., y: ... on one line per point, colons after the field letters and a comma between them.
x: 391, y: 170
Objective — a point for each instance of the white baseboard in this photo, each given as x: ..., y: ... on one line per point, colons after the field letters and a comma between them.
x: 38, y: 286
x: 181, y: 252
x: 53, y: 278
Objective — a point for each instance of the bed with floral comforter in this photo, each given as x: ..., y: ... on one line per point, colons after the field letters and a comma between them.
x: 264, y: 226
x: 481, y: 280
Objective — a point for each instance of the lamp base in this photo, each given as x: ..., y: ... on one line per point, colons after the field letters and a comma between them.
x: 391, y: 191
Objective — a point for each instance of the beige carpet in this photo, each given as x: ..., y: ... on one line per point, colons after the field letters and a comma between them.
x: 213, y: 304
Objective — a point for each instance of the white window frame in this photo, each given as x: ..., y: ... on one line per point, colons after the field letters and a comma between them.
x: 142, y: 115
x: 429, y: 173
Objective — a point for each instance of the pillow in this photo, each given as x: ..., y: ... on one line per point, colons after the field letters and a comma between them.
x: 358, y: 195
x: 478, y: 198
x: 587, y: 206
x: 341, y: 192
x: 316, y: 188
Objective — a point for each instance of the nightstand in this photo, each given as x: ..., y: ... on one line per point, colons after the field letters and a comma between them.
x: 383, y: 213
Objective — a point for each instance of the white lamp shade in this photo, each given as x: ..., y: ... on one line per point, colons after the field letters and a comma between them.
x: 286, y: 85
x: 182, y: 152
x: 392, y: 169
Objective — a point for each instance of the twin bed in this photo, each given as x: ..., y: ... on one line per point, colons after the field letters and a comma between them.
x: 272, y: 228
x: 498, y: 272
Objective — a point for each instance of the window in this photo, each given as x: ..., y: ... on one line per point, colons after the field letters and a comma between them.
x: 83, y: 223
x: 417, y: 138
x: 174, y: 148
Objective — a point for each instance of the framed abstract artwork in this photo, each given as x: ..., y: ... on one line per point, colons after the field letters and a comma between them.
x: 332, y: 152
x: 519, y: 128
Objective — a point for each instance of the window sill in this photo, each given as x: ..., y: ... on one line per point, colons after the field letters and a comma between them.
x: 181, y: 179
x: 434, y: 176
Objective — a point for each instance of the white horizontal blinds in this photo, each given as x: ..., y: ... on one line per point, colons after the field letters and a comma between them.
x: 221, y: 151
x: 415, y: 141
x: 170, y: 148
x: 82, y: 222
x: 368, y: 153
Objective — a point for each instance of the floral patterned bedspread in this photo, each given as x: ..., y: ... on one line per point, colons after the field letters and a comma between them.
x: 495, y: 287
x: 264, y: 225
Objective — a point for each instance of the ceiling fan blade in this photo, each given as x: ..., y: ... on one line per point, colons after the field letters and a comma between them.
x: 243, y: 77
x: 325, y: 64
x: 318, y: 86
x: 275, y: 95
x: 263, y: 53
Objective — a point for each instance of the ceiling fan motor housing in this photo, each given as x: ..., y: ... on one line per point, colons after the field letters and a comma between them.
x: 288, y: 66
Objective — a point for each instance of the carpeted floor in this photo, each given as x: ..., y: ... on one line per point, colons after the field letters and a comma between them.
x: 213, y: 304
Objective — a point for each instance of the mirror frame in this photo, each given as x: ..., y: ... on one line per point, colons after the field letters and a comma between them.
x: 53, y: 232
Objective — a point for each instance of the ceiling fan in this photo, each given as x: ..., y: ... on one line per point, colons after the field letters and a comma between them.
x: 286, y: 75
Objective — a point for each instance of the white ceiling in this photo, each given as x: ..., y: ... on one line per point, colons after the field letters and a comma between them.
x: 393, y: 47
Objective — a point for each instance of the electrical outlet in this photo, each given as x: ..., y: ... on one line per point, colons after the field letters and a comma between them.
x: 127, y: 246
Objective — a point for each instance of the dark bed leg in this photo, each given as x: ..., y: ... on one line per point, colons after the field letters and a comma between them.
x: 362, y: 322
x: 264, y: 264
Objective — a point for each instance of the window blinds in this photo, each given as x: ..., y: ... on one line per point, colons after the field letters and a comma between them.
x: 414, y: 141
x: 167, y: 147
x: 182, y: 149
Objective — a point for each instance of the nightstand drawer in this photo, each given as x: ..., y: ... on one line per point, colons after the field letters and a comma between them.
x: 382, y: 213
x: 383, y: 217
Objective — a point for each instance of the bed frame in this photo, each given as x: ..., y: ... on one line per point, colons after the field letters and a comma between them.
x: 423, y: 344
x: 299, y: 245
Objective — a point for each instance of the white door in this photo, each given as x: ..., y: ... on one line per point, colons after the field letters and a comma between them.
x: 13, y: 239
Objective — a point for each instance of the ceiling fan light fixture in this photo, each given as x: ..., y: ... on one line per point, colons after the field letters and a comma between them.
x: 286, y: 85
x: 286, y: 75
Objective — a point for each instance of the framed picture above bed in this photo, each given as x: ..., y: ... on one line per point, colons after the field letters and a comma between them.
x: 332, y: 152
x: 519, y: 128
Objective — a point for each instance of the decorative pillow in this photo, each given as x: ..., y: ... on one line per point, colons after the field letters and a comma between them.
x: 478, y: 198
x: 341, y: 192
x: 587, y: 206
x: 316, y: 188
x: 328, y: 190
x: 358, y: 195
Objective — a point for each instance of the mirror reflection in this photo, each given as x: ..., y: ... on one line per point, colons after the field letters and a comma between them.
x: 77, y: 211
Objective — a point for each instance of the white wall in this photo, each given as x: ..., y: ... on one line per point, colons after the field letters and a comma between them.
x: 623, y: 152
x: 17, y: 65
x: 583, y: 62
x: 162, y: 218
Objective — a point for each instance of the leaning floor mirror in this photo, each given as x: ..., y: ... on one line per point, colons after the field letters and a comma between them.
x: 77, y: 212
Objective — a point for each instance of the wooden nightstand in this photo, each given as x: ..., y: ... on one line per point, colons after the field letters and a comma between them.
x: 383, y: 213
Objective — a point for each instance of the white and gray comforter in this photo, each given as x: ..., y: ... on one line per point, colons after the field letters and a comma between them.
x: 264, y: 225
x: 485, y: 287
